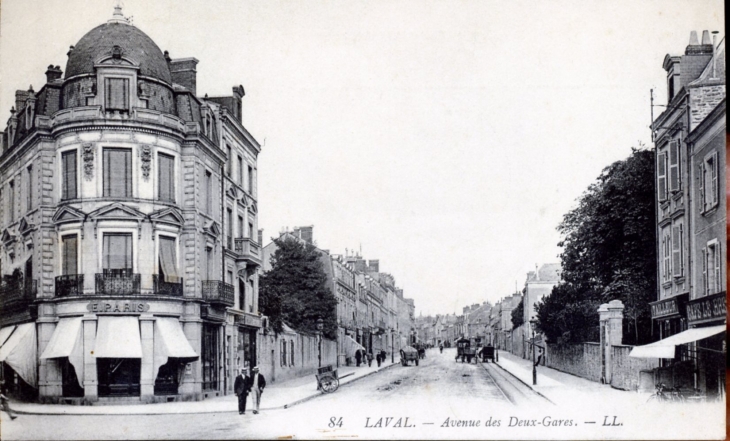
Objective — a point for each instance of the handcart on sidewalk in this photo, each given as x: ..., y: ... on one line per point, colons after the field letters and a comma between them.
x: 328, y: 380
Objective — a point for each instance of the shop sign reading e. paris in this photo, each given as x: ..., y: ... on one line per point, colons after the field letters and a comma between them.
x: 118, y: 307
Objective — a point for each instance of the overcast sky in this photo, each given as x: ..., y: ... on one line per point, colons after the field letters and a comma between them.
x: 445, y: 138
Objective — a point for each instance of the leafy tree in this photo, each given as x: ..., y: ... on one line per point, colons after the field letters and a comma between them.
x: 518, y: 315
x: 609, y: 252
x: 295, y: 290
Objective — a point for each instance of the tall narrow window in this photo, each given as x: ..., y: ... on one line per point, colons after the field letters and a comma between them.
x: 69, y: 188
x: 29, y: 200
x: 241, y: 171
x: 166, y: 177
x: 291, y: 351
x: 240, y: 226
x: 118, y: 173
x: 714, y: 268
x: 283, y: 352
x: 205, y: 264
x: 250, y: 232
x: 69, y: 261
x: 229, y: 227
x: 250, y: 179
x: 709, y: 182
x: 674, y: 167
x: 207, y: 192
x: 168, y: 260
x: 116, y: 94
x: 229, y: 160
x: 11, y: 201
x: 117, y: 253
x: 666, y: 254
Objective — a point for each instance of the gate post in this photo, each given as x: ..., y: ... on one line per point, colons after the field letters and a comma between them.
x: 611, y: 325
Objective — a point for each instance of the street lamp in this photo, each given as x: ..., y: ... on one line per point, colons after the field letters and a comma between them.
x: 320, y: 326
x: 533, y: 322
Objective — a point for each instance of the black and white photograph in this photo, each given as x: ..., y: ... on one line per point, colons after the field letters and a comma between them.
x: 381, y: 219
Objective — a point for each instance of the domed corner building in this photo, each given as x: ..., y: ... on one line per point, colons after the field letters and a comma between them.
x: 130, y: 241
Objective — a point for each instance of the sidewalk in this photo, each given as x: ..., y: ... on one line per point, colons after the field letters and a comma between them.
x: 564, y: 389
x: 276, y: 396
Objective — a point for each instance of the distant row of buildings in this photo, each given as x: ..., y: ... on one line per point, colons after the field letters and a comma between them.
x: 371, y: 308
x: 492, y: 324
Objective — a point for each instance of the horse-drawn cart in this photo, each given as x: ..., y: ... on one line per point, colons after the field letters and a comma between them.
x: 465, y: 350
x: 408, y: 354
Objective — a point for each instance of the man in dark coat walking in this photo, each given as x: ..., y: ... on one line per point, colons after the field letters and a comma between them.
x: 358, y: 357
x: 241, y: 387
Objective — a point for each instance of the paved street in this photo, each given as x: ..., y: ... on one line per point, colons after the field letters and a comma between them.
x: 436, y: 390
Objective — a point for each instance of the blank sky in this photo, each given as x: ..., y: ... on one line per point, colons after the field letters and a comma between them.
x: 445, y: 138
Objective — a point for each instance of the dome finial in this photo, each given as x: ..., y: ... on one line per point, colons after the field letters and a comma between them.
x: 118, y: 17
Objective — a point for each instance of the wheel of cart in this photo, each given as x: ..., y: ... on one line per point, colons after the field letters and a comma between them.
x: 327, y: 379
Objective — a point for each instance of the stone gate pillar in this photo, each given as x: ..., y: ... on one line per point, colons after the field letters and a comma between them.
x: 611, y: 325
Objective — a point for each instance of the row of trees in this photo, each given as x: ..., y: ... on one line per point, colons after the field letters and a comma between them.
x: 609, y: 252
x: 295, y: 290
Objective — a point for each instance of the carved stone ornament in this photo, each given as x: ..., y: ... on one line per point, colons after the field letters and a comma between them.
x: 145, y: 156
x: 88, y: 156
x: 143, y: 90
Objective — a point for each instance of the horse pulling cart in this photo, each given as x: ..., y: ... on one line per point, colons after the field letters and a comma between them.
x: 408, y: 354
x: 465, y: 350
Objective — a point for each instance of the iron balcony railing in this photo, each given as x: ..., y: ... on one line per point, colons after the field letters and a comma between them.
x: 69, y: 285
x: 17, y: 294
x: 248, y: 250
x: 219, y: 292
x: 118, y: 282
x: 160, y: 286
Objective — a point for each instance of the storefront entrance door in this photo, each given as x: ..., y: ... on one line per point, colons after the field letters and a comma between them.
x: 118, y: 377
x: 209, y: 357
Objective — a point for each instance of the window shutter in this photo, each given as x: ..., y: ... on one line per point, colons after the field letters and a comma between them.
x: 70, y: 250
x: 117, y: 95
x: 166, y: 177
x: 701, y: 200
x: 718, y: 268
x: 662, y: 177
x: 714, y: 187
x: 674, y: 166
x: 676, y: 252
x: 68, y: 160
x: 118, y: 173
x: 705, y: 281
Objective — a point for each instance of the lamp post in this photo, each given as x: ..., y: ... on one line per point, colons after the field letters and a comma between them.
x: 320, y: 326
x: 533, y: 322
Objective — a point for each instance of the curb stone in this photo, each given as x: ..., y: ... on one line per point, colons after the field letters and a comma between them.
x: 520, y: 380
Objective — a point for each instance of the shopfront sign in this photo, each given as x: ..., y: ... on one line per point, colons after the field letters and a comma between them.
x: 118, y: 307
x: 671, y: 307
x: 707, y: 309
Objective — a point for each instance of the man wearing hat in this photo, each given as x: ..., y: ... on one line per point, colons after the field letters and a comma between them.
x: 241, y: 387
x: 258, y: 383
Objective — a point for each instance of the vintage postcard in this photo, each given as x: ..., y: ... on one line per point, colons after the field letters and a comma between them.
x: 385, y: 219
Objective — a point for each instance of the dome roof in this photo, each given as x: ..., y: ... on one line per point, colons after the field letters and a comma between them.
x: 135, y: 44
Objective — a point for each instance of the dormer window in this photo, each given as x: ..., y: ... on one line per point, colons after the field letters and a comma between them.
x: 116, y: 94
x: 28, y: 116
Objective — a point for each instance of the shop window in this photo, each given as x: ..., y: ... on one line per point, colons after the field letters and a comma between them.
x: 116, y: 94
x: 166, y: 178
x: 168, y: 377
x: 69, y: 258
x: 117, y: 172
x: 117, y: 253
x: 118, y: 377
x: 68, y: 175
x: 209, y: 358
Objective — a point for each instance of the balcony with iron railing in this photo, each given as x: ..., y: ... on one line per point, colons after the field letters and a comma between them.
x: 218, y: 292
x: 118, y: 282
x: 248, y: 251
x: 70, y: 285
x: 17, y: 294
x: 165, y: 288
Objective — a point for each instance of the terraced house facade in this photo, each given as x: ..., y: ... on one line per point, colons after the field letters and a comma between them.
x: 129, y: 229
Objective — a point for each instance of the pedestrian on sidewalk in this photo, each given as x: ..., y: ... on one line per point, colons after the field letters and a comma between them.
x: 241, y: 387
x: 378, y: 358
x: 370, y: 359
x: 358, y: 357
x: 5, y: 402
x: 383, y: 356
x: 258, y: 383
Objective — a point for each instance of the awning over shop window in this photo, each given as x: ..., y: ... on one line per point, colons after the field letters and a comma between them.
x: 20, y: 353
x: 5, y: 333
x: 118, y: 337
x: 170, y: 341
x: 66, y: 341
x: 350, y: 346
x: 665, y: 348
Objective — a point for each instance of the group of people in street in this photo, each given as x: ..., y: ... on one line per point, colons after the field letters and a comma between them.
x: 361, y: 357
x: 253, y: 384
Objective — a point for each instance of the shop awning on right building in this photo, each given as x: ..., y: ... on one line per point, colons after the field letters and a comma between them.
x: 665, y: 348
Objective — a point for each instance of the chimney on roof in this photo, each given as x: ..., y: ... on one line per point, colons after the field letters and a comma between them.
x: 20, y: 97
x: 53, y: 73
x: 374, y: 265
x: 184, y: 72
x: 706, y: 37
x: 693, y: 41
x: 305, y: 233
x: 695, y: 48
